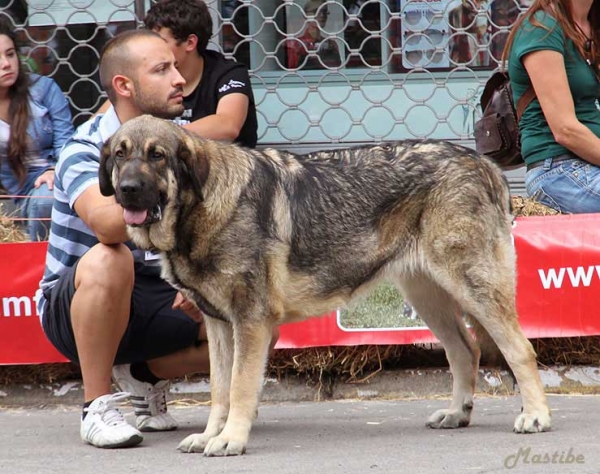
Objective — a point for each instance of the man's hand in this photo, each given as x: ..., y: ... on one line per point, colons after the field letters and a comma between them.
x: 187, y: 307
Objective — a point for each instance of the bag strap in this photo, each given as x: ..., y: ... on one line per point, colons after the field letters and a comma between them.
x: 524, y: 101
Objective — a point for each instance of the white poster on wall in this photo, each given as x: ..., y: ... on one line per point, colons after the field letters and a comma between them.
x: 445, y: 33
x: 424, y: 33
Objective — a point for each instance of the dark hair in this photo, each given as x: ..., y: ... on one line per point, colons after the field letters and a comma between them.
x: 19, y: 111
x: 116, y: 57
x: 562, y: 11
x: 183, y: 18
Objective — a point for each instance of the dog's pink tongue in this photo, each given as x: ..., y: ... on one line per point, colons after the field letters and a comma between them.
x: 134, y: 217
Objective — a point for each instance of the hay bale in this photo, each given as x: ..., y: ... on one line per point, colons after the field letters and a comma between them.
x: 10, y: 231
x: 352, y: 364
x: 568, y: 351
x: 524, y: 206
x: 38, y: 374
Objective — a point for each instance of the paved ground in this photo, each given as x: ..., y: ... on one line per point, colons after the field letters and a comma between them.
x: 322, y: 437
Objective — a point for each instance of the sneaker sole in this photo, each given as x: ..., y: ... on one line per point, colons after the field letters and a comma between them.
x: 128, y: 443
x: 155, y: 430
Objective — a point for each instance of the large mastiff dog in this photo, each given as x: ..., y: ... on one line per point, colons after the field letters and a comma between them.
x: 260, y: 238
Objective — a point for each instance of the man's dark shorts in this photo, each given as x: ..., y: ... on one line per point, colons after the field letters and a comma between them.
x: 154, y: 329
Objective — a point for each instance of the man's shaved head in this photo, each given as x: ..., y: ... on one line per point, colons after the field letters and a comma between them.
x: 117, y: 58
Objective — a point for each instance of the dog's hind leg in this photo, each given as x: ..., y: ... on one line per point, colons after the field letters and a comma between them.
x: 480, y: 275
x: 442, y: 315
x: 492, y: 302
x: 221, y: 350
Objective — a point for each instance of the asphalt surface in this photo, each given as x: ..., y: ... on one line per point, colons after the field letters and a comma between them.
x: 344, y: 436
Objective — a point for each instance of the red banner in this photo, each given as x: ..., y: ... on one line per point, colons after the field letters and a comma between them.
x: 22, y: 340
x: 558, y: 279
x: 558, y: 275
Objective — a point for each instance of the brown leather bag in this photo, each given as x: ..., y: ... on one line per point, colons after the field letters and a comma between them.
x: 497, y: 132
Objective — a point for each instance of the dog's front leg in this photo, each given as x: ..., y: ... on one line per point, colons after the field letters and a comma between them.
x: 221, y: 349
x: 251, y: 351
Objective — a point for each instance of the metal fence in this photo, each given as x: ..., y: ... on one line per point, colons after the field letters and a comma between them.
x: 324, y: 72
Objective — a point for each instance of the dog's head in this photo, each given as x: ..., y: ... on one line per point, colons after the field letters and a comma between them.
x: 147, y: 164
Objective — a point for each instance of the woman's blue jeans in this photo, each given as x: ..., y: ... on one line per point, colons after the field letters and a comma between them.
x: 570, y: 185
x: 37, y: 207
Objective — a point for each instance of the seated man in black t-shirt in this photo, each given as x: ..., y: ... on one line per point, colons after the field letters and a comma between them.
x: 218, y: 98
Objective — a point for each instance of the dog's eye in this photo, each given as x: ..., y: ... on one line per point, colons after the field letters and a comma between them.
x: 119, y: 154
x: 156, y: 155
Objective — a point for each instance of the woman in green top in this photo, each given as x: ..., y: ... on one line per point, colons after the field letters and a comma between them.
x: 555, y: 47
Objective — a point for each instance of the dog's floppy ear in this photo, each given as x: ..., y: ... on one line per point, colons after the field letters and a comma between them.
x: 193, y: 163
x: 105, y: 171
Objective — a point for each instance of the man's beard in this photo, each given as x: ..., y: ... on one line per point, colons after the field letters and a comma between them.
x: 149, y: 105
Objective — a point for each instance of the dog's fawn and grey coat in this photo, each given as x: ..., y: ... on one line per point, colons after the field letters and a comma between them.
x: 260, y: 238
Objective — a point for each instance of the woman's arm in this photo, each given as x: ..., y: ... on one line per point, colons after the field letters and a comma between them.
x: 547, y: 72
x: 62, y: 128
x: 60, y: 114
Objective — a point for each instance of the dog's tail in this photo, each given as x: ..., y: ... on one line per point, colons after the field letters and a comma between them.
x: 498, y: 189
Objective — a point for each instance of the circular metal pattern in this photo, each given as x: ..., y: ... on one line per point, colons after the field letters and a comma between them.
x: 377, y: 87
x: 421, y: 120
x: 294, y: 124
x: 460, y: 119
x: 379, y: 122
x: 297, y: 90
x: 335, y: 123
x: 77, y: 61
x: 41, y: 5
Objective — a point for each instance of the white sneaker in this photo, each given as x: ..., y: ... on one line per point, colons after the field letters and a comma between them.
x: 149, y: 401
x: 104, y: 425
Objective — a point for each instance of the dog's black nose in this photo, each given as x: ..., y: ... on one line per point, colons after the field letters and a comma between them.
x: 131, y: 187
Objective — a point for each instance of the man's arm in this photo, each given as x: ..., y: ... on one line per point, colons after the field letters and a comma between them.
x: 102, y: 215
x: 227, y: 122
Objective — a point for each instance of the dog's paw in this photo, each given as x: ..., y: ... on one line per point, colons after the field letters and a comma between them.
x: 221, y: 446
x: 535, y: 422
x: 449, y: 419
x: 195, y: 443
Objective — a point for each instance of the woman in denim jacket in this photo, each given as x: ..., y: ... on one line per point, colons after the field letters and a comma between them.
x: 35, y: 122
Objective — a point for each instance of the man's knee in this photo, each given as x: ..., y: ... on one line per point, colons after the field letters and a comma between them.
x: 107, y: 265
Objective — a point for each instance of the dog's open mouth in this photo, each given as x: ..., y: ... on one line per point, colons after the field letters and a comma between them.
x: 139, y: 218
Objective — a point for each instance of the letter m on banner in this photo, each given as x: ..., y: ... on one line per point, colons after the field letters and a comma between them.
x: 22, y: 339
